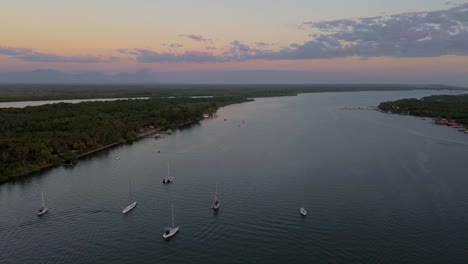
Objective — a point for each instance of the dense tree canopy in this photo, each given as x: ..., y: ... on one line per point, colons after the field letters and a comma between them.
x: 33, y: 137
x: 453, y: 107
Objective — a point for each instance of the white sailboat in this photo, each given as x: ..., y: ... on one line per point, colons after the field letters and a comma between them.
x: 303, y: 211
x: 216, y: 202
x: 132, y: 205
x: 44, y: 209
x: 171, y: 231
x: 168, y: 178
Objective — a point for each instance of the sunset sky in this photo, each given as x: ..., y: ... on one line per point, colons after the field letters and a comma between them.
x: 424, y: 38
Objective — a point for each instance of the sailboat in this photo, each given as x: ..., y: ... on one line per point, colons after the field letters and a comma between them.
x: 171, y: 231
x: 168, y: 178
x: 303, y: 211
x: 132, y: 205
x: 44, y: 209
x: 216, y: 202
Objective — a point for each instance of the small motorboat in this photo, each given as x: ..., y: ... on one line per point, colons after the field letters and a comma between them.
x: 117, y: 158
x: 303, y: 211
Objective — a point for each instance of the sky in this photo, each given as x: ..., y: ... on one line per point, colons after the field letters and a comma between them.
x: 363, y: 40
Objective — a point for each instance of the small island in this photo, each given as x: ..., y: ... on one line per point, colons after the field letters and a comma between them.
x: 450, y: 110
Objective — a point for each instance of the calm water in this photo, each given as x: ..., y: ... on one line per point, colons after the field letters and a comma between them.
x: 379, y: 188
x: 22, y: 104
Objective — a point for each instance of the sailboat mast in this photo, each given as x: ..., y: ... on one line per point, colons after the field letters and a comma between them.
x: 216, y: 192
x: 173, y: 215
x: 43, y: 204
x: 130, y: 186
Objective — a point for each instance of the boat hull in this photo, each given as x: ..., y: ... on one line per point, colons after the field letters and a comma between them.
x: 129, y: 208
x: 42, y: 211
x: 303, y: 212
x: 168, y: 179
x: 171, y: 233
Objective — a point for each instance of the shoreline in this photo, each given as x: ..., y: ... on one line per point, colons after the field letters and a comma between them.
x: 444, y: 110
x: 70, y: 158
x: 90, y: 153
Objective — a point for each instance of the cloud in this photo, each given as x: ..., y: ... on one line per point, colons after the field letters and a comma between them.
x: 128, y: 52
x: 33, y: 56
x: 406, y: 35
x: 262, y: 44
x: 149, y: 56
x: 14, y: 52
x: 237, y: 51
x: 175, y: 46
x: 195, y: 37
x: 113, y: 59
x: 417, y: 34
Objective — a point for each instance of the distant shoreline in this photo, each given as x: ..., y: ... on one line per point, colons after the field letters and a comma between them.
x: 47, y: 92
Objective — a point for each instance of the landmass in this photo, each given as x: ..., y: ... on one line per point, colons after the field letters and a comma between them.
x: 451, y: 110
x: 39, y: 137
x: 32, y: 92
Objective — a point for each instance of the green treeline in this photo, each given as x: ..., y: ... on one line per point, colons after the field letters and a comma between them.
x: 35, y: 92
x: 33, y: 137
x: 452, y: 107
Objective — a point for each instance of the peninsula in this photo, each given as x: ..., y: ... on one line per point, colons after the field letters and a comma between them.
x: 33, y: 138
x: 450, y: 107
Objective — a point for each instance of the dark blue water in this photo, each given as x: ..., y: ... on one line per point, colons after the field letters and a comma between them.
x: 379, y: 188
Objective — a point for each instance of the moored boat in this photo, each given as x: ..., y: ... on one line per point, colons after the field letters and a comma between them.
x: 43, y: 209
x: 171, y: 231
x: 168, y: 178
x: 303, y: 211
x: 133, y: 204
x: 216, y: 201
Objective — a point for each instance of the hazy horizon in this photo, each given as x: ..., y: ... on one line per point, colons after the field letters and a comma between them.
x: 50, y: 76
